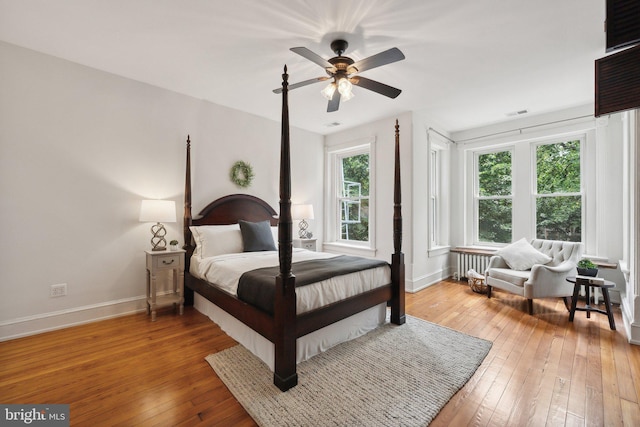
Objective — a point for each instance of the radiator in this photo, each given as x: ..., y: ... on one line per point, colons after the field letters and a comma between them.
x: 477, y: 262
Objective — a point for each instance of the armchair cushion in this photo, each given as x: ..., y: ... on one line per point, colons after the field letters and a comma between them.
x: 521, y: 255
x: 514, y: 277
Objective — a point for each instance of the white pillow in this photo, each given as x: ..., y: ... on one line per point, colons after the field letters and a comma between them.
x: 212, y: 240
x: 522, y: 256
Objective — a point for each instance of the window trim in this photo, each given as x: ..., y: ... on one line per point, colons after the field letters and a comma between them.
x: 333, y: 155
x: 438, y: 216
x: 477, y: 197
x: 534, y: 195
x: 591, y: 162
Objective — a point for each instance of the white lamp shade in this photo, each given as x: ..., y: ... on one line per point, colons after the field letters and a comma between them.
x: 158, y: 211
x: 302, y: 212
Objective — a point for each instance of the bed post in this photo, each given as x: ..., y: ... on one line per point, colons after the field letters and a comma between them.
x: 186, y: 222
x: 397, y: 259
x: 285, y: 376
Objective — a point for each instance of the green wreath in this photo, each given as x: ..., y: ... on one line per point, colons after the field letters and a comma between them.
x: 241, y: 174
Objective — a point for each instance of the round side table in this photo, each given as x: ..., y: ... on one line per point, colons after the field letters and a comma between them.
x: 585, y: 281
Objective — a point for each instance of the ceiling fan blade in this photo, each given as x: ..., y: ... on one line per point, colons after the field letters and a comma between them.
x: 383, y: 58
x: 375, y: 86
x: 303, y: 83
x: 334, y: 103
x: 313, y: 57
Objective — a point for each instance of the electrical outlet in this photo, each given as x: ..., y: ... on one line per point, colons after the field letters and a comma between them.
x: 59, y: 290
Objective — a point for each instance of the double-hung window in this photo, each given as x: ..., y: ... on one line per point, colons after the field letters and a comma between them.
x: 437, y: 187
x: 493, y: 197
x: 350, y: 204
x: 558, y: 195
x: 353, y: 197
x: 434, y: 197
x: 534, y: 189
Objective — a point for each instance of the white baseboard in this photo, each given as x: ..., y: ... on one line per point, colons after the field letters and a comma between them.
x: 422, y: 282
x: 39, y: 323
x: 632, y: 329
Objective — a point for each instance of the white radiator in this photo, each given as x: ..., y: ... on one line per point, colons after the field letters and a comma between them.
x: 477, y: 262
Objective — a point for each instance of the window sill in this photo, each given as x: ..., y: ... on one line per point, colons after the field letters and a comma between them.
x: 476, y: 249
x: 343, y: 248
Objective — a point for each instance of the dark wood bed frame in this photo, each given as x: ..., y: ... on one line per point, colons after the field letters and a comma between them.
x: 284, y: 327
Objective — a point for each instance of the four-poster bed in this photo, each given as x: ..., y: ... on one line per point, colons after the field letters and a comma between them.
x: 289, y: 328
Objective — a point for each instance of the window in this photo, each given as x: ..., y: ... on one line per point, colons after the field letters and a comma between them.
x: 350, y: 172
x: 494, y: 198
x: 558, y: 196
x: 434, y: 198
x: 437, y: 192
x: 541, y: 183
x: 354, y: 198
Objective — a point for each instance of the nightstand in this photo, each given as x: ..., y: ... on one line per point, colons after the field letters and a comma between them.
x: 157, y: 263
x: 309, y: 244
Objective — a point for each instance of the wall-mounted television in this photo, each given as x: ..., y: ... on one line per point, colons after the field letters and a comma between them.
x: 623, y: 23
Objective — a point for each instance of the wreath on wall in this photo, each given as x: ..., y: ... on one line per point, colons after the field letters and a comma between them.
x: 241, y: 174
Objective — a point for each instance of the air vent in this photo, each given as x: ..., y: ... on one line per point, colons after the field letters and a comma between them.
x: 517, y: 113
x: 332, y: 124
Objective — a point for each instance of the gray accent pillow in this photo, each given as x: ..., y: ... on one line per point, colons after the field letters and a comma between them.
x: 257, y: 236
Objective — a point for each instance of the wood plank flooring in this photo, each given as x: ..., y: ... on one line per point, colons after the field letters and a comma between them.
x: 542, y: 369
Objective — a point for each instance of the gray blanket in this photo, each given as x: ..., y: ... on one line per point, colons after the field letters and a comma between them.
x: 257, y: 287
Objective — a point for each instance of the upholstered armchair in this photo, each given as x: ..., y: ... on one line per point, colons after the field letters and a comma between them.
x: 534, y: 270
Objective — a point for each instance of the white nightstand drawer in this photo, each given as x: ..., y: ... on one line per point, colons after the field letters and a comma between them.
x: 166, y: 261
x: 309, y: 244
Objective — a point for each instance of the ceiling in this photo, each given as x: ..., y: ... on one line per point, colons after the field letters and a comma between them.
x: 468, y: 62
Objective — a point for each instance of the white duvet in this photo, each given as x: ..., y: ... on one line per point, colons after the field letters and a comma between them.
x: 225, y: 271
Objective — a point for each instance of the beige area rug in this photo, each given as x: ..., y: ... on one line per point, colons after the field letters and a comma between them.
x: 392, y: 376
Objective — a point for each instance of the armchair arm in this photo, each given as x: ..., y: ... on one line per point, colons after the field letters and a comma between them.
x: 547, y: 281
x: 496, y: 261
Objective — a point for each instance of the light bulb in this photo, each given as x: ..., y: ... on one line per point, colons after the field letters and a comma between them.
x: 344, y: 87
x: 347, y: 96
x: 328, y: 91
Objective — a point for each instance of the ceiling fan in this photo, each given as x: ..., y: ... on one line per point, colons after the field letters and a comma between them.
x: 342, y: 71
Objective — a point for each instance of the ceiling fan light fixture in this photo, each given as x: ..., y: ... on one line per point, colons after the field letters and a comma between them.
x: 345, y: 87
x: 328, y: 91
x: 347, y: 96
x: 343, y: 73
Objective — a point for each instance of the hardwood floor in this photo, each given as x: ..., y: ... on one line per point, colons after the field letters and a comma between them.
x: 541, y: 370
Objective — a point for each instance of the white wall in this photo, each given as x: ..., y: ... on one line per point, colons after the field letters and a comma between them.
x: 79, y: 149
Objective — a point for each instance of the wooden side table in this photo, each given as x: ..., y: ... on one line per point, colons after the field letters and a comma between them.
x: 165, y: 261
x: 604, y: 286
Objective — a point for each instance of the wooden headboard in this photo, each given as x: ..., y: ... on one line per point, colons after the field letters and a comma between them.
x: 230, y: 210
x: 235, y: 207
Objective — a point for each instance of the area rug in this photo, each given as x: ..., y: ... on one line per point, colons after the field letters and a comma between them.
x: 392, y: 376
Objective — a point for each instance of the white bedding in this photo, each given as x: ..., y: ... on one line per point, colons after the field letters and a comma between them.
x: 225, y: 271
x: 307, y: 346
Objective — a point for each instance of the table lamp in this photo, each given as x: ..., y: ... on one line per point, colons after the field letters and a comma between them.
x: 302, y: 213
x: 158, y: 211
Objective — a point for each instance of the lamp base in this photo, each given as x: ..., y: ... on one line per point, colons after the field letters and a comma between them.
x: 158, y: 242
x: 302, y: 231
